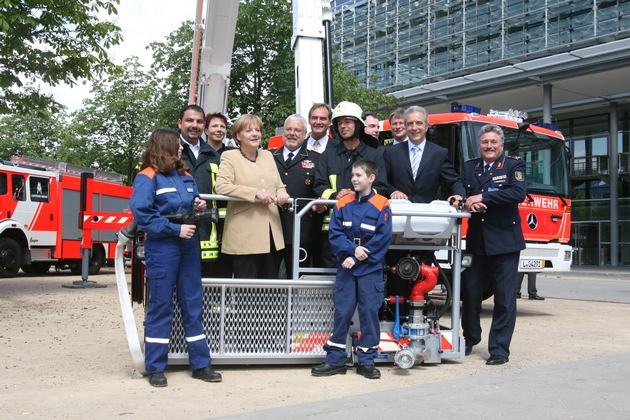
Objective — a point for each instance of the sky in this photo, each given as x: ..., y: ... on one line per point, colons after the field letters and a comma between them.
x: 141, y: 22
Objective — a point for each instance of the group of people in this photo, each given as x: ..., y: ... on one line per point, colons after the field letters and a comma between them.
x: 254, y: 234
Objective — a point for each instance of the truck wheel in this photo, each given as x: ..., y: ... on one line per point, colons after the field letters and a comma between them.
x: 97, y: 258
x: 36, y: 268
x: 10, y: 257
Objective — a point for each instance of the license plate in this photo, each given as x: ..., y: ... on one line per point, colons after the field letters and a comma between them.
x: 532, y: 264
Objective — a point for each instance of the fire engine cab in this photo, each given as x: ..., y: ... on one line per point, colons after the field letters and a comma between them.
x: 41, y: 204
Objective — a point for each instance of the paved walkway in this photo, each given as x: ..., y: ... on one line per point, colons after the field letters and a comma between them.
x: 592, y: 389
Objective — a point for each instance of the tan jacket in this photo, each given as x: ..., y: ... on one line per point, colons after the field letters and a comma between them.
x: 247, y: 223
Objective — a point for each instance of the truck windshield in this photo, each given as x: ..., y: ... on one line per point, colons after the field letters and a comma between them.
x: 545, y: 160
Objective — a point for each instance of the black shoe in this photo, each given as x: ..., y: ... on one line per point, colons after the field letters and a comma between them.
x: 536, y: 297
x: 518, y: 295
x: 158, y: 380
x: 497, y: 360
x: 327, y: 370
x: 468, y: 349
x: 207, y: 374
x: 369, y: 371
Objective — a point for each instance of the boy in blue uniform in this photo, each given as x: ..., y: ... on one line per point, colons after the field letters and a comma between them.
x: 360, y: 234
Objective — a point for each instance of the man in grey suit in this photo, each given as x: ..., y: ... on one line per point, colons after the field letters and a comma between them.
x: 415, y: 171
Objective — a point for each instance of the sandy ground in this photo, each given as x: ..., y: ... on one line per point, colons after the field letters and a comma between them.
x: 64, y: 355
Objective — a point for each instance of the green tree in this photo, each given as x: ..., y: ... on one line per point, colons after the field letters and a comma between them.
x: 262, y: 79
x: 347, y: 87
x: 172, y: 59
x: 114, y: 124
x: 53, y: 42
x: 34, y: 133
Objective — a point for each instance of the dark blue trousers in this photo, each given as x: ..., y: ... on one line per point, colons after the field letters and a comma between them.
x: 174, y: 263
x: 502, y: 272
x: 349, y: 291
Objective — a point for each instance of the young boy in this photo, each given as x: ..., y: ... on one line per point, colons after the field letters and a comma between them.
x: 360, y: 233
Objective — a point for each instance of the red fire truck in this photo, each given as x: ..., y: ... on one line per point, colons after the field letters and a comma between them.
x: 42, y: 210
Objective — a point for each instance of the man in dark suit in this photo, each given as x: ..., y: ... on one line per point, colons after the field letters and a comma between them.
x: 416, y: 168
x: 200, y: 159
x: 296, y: 165
x: 319, y: 117
x: 496, y: 185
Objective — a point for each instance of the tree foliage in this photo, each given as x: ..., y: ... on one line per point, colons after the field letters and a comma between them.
x: 262, y: 81
x: 172, y: 60
x: 34, y: 133
x: 53, y: 42
x: 347, y: 87
x: 116, y: 121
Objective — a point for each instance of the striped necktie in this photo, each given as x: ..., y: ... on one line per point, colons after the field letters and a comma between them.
x: 316, y: 146
x: 415, y: 160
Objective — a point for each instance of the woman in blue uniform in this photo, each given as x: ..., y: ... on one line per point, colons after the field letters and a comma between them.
x: 161, y: 188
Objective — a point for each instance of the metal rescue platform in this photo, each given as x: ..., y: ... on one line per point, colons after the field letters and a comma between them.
x: 288, y: 321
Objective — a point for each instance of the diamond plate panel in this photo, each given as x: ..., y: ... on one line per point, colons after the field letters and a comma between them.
x: 272, y: 321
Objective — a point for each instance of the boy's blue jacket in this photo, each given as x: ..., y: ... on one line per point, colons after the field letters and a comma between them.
x: 368, y: 219
x: 155, y: 195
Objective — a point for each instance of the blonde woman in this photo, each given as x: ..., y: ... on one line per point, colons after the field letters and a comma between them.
x: 252, y: 232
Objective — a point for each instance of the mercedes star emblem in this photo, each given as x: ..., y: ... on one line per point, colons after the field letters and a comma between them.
x: 532, y: 221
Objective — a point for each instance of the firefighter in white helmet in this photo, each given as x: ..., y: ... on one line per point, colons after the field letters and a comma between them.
x: 333, y: 175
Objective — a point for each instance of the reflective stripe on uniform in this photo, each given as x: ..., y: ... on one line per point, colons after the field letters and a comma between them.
x: 156, y: 340
x: 338, y: 345
x: 195, y: 338
x: 332, y: 179
x: 368, y: 227
x: 210, y: 248
x: 165, y: 190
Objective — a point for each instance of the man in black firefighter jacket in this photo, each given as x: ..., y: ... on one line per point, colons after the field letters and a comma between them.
x: 334, y: 173
x: 200, y: 160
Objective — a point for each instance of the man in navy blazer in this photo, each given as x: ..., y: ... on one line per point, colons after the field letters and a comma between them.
x: 434, y: 165
x: 297, y: 165
x: 496, y: 185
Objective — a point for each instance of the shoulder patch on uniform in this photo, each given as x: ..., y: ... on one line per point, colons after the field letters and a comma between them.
x: 150, y: 172
x: 379, y: 201
x: 519, y: 176
x: 515, y: 157
x: 345, y: 200
x: 471, y: 159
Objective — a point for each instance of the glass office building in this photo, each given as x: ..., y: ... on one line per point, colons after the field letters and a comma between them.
x: 562, y: 61
x: 394, y: 44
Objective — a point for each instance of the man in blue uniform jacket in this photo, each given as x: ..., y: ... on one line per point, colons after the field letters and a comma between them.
x: 496, y: 185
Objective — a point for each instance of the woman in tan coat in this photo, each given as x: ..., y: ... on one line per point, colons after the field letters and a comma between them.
x: 252, y: 233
